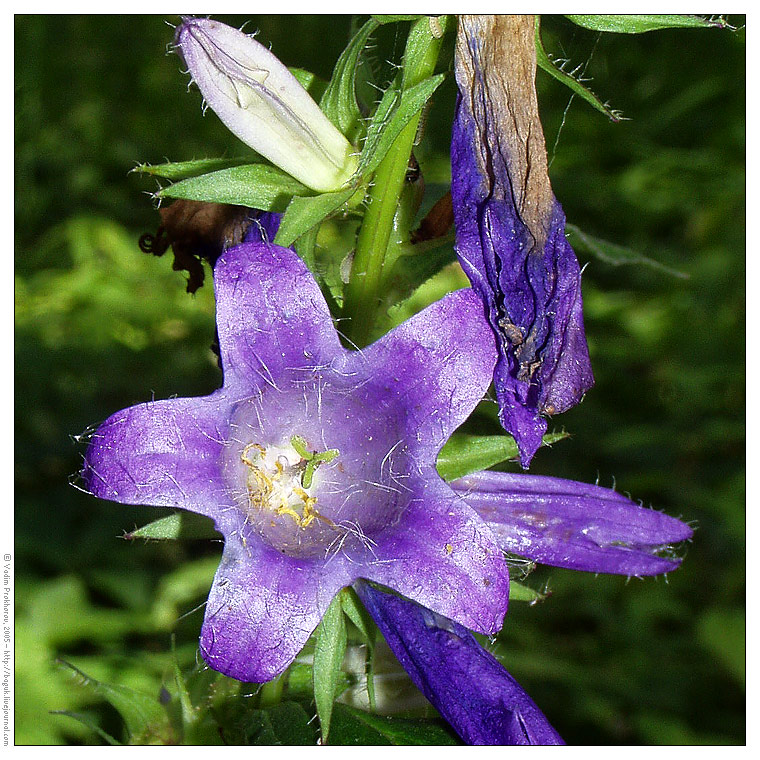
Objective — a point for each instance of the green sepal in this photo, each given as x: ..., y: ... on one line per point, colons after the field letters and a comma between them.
x: 543, y: 60
x: 464, y: 454
x: 259, y: 186
x: 357, y: 727
x: 639, y: 23
x: 146, y: 721
x: 329, y: 650
x: 521, y: 593
x: 339, y: 101
x: 392, y: 115
x: 303, y: 213
x: 358, y: 615
x: 611, y: 253
x: 178, y: 170
x: 179, y: 525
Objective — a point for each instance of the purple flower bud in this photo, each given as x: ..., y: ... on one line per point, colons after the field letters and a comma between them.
x: 262, y: 103
x: 510, y: 229
x: 466, y: 684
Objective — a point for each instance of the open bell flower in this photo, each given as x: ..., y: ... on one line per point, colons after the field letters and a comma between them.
x: 317, y: 465
x: 263, y: 104
x: 510, y: 229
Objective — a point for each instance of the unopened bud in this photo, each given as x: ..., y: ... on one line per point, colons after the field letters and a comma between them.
x: 263, y: 104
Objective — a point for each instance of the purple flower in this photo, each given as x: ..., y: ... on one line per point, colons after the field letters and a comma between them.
x: 510, y: 229
x: 316, y: 463
x: 466, y: 684
x: 567, y: 524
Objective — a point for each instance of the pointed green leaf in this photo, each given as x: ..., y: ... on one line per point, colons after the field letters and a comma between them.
x: 637, y: 23
x: 176, y: 526
x: 303, y: 213
x: 339, y: 101
x: 465, y: 454
x: 183, y: 169
x: 254, y: 185
x: 356, y: 727
x: 546, y: 63
x: 88, y: 721
x: 610, y: 253
x: 391, y: 118
x: 390, y: 18
x: 145, y: 718
x: 359, y: 616
x: 329, y: 650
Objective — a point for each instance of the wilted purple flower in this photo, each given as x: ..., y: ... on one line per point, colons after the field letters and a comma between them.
x: 317, y: 464
x: 262, y: 103
x: 466, y: 684
x: 510, y: 228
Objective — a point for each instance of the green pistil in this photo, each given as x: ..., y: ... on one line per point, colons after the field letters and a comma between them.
x: 312, y: 458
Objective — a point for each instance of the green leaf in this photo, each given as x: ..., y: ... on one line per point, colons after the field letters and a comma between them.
x: 88, y: 721
x: 636, y: 24
x: 284, y: 724
x: 546, y: 63
x: 329, y: 650
x: 339, y: 101
x: 391, y: 118
x: 303, y: 213
x: 176, y: 526
x: 184, y: 169
x: 611, y: 253
x: 254, y: 185
x: 146, y: 720
x: 356, y: 727
x: 465, y: 454
x: 358, y: 615
x: 390, y: 18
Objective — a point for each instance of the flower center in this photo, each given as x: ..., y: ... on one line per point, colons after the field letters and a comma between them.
x: 279, y: 480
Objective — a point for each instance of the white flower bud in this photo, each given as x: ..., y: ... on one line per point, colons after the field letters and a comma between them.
x: 264, y: 105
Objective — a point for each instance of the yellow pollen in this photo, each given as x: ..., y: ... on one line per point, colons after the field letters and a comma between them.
x: 261, y: 487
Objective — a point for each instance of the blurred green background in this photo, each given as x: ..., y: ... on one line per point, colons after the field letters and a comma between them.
x: 100, y: 325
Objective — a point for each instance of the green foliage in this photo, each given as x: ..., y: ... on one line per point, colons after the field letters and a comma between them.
x: 180, y: 525
x: 633, y: 23
x: 255, y: 185
x: 329, y: 650
x: 355, y: 727
x: 464, y: 454
x: 100, y: 326
x: 339, y: 101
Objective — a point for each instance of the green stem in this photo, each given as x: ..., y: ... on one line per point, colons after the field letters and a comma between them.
x: 271, y: 692
x: 362, y: 291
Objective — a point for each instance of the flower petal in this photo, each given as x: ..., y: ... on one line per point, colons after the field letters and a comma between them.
x: 575, y: 525
x: 441, y: 555
x: 274, y: 325
x: 163, y: 453
x: 262, y: 608
x: 440, y: 362
x: 466, y: 684
x: 510, y: 229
